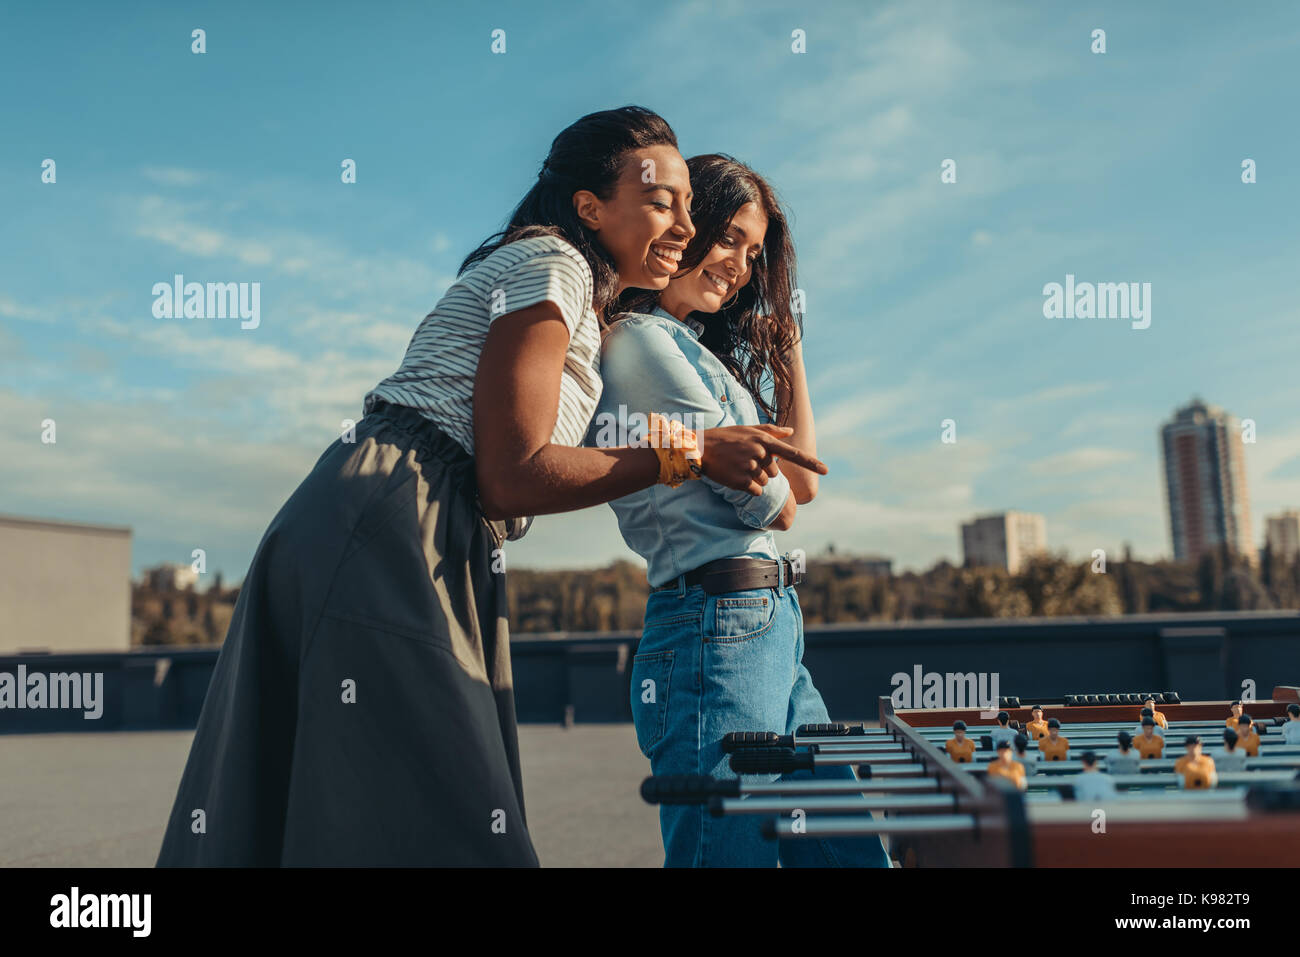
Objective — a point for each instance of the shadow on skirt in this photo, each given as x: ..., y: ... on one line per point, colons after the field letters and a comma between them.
x: 361, y: 711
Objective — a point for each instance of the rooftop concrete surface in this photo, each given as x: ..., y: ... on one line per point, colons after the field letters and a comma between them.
x: 102, y: 799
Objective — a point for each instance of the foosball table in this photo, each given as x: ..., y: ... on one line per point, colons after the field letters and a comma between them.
x: 933, y: 811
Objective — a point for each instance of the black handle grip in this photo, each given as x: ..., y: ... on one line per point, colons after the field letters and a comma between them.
x: 821, y: 730
x: 771, y: 761
x: 735, y: 740
x: 686, y: 789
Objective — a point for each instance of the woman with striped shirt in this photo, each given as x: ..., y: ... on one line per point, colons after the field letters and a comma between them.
x: 361, y: 710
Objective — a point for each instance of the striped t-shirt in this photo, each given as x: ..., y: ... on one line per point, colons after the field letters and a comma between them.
x: 436, y: 377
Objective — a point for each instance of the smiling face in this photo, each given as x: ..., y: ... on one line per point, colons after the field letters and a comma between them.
x: 725, y: 269
x: 645, y: 224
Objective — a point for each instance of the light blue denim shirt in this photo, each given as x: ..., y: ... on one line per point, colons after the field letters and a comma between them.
x: 654, y: 363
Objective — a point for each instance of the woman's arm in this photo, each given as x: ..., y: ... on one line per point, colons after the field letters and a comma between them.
x: 516, y: 400
x: 794, y: 407
x: 644, y: 368
x: 785, y: 521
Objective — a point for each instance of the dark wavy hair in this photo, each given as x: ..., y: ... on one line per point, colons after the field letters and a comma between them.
x: 586, y: 155
x: 753, y: 333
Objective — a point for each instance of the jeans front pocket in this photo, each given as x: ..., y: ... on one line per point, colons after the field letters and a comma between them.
x: 741, y: 616
x: 651, y: 675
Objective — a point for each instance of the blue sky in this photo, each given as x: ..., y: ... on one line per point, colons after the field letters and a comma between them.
x: 924, y: 298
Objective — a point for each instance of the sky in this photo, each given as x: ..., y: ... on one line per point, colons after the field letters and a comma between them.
x: 924, y: 298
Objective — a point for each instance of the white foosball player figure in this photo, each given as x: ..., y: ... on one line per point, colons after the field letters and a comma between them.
x: 1090, y: 785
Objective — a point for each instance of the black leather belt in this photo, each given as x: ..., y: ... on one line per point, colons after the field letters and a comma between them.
x: 740, y: 574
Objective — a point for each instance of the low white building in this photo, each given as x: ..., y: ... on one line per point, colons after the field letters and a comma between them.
x: 171, y: 576
x: 64, y: 586
x: 1005, y: 540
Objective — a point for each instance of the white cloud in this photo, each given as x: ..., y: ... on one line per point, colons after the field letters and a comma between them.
x: 172, y: 175
x: 15, y: 310
x: 1080, y: 460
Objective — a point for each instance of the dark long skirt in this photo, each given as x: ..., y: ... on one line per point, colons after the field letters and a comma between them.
x: 362, y: 711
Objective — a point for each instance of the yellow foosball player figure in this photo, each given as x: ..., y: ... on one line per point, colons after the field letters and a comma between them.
x: 1149, y: 713
x: 959, y: 747
x: 1161, y: 721
x: 1291, y: 730
x: 1196, y: 769
x: 1236, y: 715
x: 1247, y: 736
x: 1148, y: 744
x: 1024, y: 757
x: 1005, y: 768
x: 1090, y: 785
x: 1036, y: 727
x: 1054, y: 747
x: 1124, y: 760
x: 1231, y: 758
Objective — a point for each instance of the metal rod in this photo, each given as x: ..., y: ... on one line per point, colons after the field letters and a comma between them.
x: 841, y: 786
x: 860, y: 827
x: 847, y: 804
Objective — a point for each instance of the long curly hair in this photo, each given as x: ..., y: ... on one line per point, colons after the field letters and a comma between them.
x: 753, y: 333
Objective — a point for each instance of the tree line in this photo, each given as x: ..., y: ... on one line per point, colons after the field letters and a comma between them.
x: 836, y: 589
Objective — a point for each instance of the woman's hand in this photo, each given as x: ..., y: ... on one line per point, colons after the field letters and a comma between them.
x: 744, y: 457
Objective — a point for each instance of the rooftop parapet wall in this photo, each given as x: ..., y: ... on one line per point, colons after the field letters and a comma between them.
x: 585, y: 677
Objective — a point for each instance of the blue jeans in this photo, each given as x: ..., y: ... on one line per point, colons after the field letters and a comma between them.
x: 711, y: 664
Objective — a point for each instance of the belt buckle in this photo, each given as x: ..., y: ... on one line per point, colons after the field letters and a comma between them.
x: 796, y: 576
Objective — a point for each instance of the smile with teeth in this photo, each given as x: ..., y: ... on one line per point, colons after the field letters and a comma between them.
x: 667, y: 252
x: 720, y: 284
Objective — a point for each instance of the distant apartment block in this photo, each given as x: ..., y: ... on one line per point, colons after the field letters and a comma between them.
x: 170, y: 576
x: 1005, y: 540
x: 64, y: 586
x: 1205, y: 482
x: 1282, y: 533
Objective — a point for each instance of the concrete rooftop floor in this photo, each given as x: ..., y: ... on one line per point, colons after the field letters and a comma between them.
x: 102, y: 800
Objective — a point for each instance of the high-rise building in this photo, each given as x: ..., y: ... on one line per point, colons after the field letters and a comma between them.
x: 1205, y: 482
x: 1282, y: 533
x: 1005, y: 539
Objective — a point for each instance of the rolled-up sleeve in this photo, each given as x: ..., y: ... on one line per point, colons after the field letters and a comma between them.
x: 552, y: 274
x: 645, y: 369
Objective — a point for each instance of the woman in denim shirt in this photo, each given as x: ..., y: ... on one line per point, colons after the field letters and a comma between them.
x: 713, y: 661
